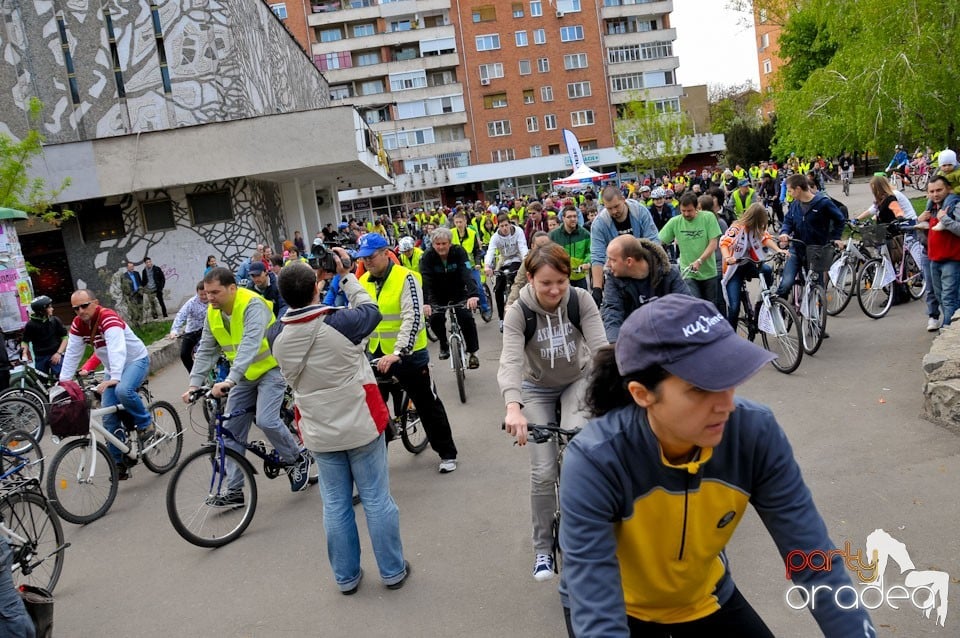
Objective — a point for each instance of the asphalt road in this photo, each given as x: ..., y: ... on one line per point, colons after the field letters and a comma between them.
x: 851, y: 413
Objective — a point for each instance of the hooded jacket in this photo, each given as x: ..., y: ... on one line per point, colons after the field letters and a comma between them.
x: 623, y: 295
x: 552, y: 357
x: 822, y: 221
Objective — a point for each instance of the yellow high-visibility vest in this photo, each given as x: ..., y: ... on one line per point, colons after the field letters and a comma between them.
x: 385, y: 334
x: 230, y: 340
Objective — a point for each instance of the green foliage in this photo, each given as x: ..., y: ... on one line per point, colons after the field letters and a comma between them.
x: 734, y: 104
x: 17, y: 190
x: 748, y: 144
x: 153, y: 331
x: 891, y: 79
x: 651, y: 140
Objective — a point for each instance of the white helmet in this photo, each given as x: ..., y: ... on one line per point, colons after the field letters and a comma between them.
x: 658, y: 193
x: 406, y: 243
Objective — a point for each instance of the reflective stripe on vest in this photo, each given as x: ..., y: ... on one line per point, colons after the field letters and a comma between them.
x: 385, y: 334
x: 230, y: 341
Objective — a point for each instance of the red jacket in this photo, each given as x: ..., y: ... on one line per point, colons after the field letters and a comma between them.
x: 943, y: 245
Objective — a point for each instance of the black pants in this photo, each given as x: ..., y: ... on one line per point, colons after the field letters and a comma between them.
x: 413, y: 373
x: 188, y: 342
x: 163, y: 306
x: 503, y: 284
x: 735, y: 618
x: 438, y: 322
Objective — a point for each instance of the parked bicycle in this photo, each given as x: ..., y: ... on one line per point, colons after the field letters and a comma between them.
x: 20, y: 413
x: 878, y: 276
x: 809, y: 295
x: 31, y: 385
x: 20, y: 457
x: 842, y: 274
x: 405, y: 420
x: 34, y: 533
x: 458, y: 348
x: 83, y: 475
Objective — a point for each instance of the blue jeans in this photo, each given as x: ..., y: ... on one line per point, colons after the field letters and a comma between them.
x: 15, y: 622
x: 789, y: 276
x: 748, y: 271
x: 267, y: 393
x: 44, y: 363
x: 945, y: 278
x: 125, y: 393
x: 484, y: 302
x: 930, y: 296
x: 367, y: 467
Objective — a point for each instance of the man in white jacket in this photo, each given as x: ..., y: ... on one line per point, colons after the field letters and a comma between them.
x: 342, y: 418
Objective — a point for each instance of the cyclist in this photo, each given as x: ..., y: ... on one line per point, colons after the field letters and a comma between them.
x: 746, y: 238
x: 576, y: 242
x: 467, y: 238
x: 125, y: 360
x: 671, y: 440
x: 899, y: 164
x: 236, y: 324
x: 510, y: 243
x: 540, y: 238
x: 846, y: 166
x: 697, y: 233
x: 542, y: 367
x: 400, y: 340
x: 409, y: 254
x: 47, y: 336
x: 188, y: 325
x: 448, y: 279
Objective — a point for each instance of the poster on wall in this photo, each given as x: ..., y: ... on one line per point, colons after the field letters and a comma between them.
x: 16, y: 290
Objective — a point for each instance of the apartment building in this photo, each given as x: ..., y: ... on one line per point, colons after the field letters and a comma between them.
x: 767, y: 31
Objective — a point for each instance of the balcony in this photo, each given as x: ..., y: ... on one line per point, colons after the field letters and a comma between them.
x: 658, y: 93
x: 641, y: 66
x: 430, y: 150
x: 642, y: 37
x: 336, y: 12
x: 384, y: 40
x: 425, y: 121
x: 428, y: 63
x: 652, y: 9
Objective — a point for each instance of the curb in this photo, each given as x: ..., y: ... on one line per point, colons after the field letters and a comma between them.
x: 163, y: 353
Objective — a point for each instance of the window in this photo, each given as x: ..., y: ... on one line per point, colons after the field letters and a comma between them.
x: 569, y: 34
x: 400, y: 25
x: 488, y: 42
x: 581, y: 118
x: 521, y: 37
x: 498, y: 128
x: 502, y: 155
x: 441, y: 78
x: 553, y: 149
x: 495, y: 101
x: 372, y: 87
x: 210, y: 208
x: 654, y: 79
x: 280, y: 10
x: 366, y: 59
x: 374, y: 116
x: 533, y: 124
x: 575, y: 61
x: 339, y: 92
x: 767, y: 67
x: 764, y: 41
x: 331, y: 35
x: 100, y: 221
x: 490, y: 71
x: 517, y: 8
x: 536, y: 151
x: 536, y: 8
x: 485, y: 14
x: 539, y: 36
x: 361, y: 30
x: 631, y: 82
x: 528, y: 96
x: 158, y: 215
x: 550, y: 123
x: 546, y: 94
x: 543, y: 65
x: 407, y: 81
x: 763, y: 16
x: 671, y: 105
x: 570, y: 6
x: 578, y: 89
x: 525, y: 67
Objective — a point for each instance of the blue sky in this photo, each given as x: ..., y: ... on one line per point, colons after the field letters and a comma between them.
x: 713, y: 43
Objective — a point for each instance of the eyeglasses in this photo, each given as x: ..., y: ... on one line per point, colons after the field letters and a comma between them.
x: 82, y: 306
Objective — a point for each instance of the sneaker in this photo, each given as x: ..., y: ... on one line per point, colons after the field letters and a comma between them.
x: 230, y: 500
x: 147, y: 435
x: 353, y: 590
x: 123, y: 472
x: 933, y: 324
x: 473, y: 363
x: 501, y: 325
x: 543, y: 567
x: 444, y: 354
x: 939, y: 226
x: 407, y: 570
x: 486, y: 315
x: 922, y: 225
x: 299, y: 473
x: 447, y: 466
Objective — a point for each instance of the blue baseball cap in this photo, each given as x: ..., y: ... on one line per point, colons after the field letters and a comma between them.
x: 690, y: 339
x: 371, y: 243
x: 744, y: 182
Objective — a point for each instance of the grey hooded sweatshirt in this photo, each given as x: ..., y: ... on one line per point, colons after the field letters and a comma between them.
x: 554, y: 356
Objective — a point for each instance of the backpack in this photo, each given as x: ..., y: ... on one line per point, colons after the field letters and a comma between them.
x: 530, y: 317
x: 69, y: 413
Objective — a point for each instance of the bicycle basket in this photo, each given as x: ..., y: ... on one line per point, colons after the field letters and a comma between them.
x: 69, y: 410
x: 819, y: 258
x: 874, y: 236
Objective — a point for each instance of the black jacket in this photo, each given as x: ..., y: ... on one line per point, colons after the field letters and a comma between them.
x: 449, y: 282
x: 158, y: 278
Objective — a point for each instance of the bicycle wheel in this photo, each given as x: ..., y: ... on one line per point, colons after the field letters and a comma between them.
x: 787, y: 342
x: 200, y: 506
x: 457, y: 357
x: 165, y: 450
x: 913, y: 277
x: 412, y: 434
x: 815, y: 325
x: 38, y: 558
x: 840, y: 292
x: 21, y: 452
x: 34, y: 396
x: 488, y: 317
x: 81, y: 486
x: 746, y: 321
x: 920, y: 183
x: 19, y: 413
x: 875, y: 300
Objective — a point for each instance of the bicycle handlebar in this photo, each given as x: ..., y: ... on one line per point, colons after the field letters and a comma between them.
x: 452, y: 306
x: 543, y: 433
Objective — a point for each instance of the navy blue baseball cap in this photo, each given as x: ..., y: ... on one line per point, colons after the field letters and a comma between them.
x: 690, y: 339
x: 370, y: 244
x: 744, y: 182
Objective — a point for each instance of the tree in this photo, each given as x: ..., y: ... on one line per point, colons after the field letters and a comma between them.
x: 17, y: 190
x: 733, y: 104
x: 891, y: 78
x: 652, y: 140
x: 748, y: 144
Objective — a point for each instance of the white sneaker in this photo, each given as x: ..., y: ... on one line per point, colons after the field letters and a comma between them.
x: 933, y: 324
x: 939, y: 226
x: 447, y: 466
x: 543, y: 567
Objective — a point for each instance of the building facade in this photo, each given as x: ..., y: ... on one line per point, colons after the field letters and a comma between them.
x: 767, y: 29
x: 185, y: 131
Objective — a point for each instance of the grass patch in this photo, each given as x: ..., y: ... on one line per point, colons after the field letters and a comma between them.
x: 919, y: 204
x: 151, y: 332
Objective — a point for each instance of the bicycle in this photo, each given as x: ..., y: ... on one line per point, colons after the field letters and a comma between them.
x: 34, y: 533
x: 202, y: 507
x: 845, y: 180
x: 32, y: 385
x: 20, y: 457
x: 79, y: 490
x: 842, y: 274
x: 405, y: 419
x: 810, y: 296
x: 773, y: 319
x: 20, y: 413
x: 878, y: 275
x: 457, y: 348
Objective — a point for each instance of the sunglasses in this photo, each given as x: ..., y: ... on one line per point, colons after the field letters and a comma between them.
x: 82, y: 306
